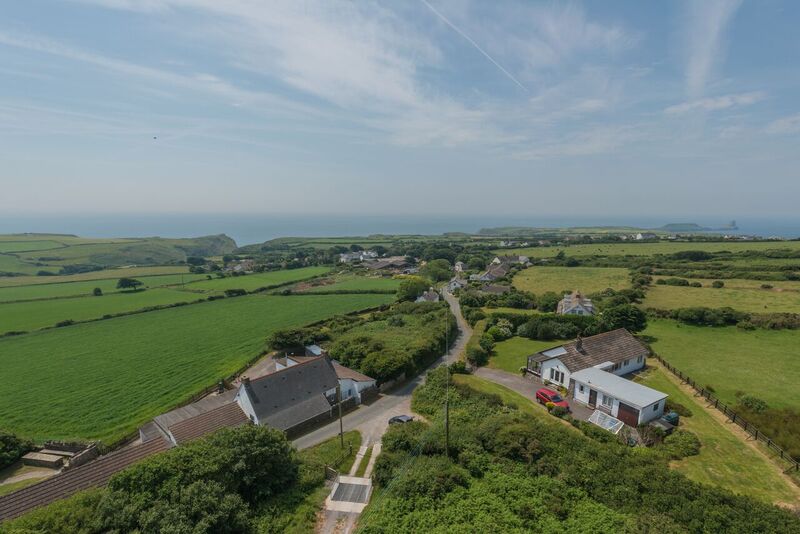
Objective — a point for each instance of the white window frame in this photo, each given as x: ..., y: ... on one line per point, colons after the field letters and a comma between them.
x: 639, y: 359
x: 608, y: 398
x: 655, y: 406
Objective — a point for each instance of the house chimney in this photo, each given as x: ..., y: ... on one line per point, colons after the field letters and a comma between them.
x: 245, y: 380
x: 579, y: 344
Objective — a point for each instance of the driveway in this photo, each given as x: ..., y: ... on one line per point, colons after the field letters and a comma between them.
x: 527, y: 388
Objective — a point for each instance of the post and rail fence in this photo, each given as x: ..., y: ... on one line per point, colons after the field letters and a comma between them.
x: 732, y: 416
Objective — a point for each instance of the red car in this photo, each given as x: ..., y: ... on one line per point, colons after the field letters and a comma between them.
x: 545, y: 395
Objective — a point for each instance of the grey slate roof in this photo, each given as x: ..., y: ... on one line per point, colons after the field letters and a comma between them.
x: 292, y: 395
x: 614, y: 346
x: 226, y: 416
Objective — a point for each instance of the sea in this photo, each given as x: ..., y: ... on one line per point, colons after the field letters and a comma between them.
x: 248, y: 229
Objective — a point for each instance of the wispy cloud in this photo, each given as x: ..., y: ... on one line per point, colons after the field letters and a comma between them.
x: 707, y: 22
x: 716, y: 103
x: 785, y: 125
x: 474, y: 44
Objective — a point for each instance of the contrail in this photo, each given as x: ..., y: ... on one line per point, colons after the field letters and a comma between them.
x: 473, y: 43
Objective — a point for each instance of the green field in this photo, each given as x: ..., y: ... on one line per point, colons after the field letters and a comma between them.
x: 24, y: 246
x: 511, y: 354
x: 746, y: 299
x: 12, y: 264
x: 125, y: 272
x: 255, y: 281
x: 104, y: 379
x: 355, y: 283
x: 74, y: 289
x: 762, y: 363
x: 725, y: 460
x: 648, y: 249
x: 35, y: 314
x: 559, y: 279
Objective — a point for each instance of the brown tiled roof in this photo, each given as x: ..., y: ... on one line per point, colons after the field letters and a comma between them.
x: 225, y: 416
x: 614, y: 346
x: 93, y: 474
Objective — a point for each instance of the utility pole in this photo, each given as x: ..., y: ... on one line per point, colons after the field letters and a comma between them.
x: 341, y: 426
x: 447, y: 388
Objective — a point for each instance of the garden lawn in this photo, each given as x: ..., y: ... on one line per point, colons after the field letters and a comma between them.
x: 85, y: 288
x: 251, y: 282
x: 511, y: 354
x: 561, y: 279
x: 36, y: 314
x: 762, y: 363
x: 725, y: 459
x: 102, y: 380
x: 753, y: 300
x: 648, y: 249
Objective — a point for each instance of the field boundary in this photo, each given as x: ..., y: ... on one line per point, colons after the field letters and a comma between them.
x: 731, y: 414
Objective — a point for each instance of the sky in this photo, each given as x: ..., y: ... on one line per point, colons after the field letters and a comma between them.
x: 400, y: 107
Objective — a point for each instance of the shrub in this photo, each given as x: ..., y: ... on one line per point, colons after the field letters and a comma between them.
x: 97, y: 292
x: 12, y: 448
x: 717, y: 284
x: 487, y: 343
x: 753, y: 404
x: 477, y: 356
x: 558, y: 411
x: 681, y: 444
x: 66, y: 322
x: 696, y: 284
x: 766, y: 286
x: 459, y: 368
x: 678, y: 408
x: 235, y: 292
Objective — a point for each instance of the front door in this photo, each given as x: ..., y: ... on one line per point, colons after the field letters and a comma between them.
x: 592, y: 398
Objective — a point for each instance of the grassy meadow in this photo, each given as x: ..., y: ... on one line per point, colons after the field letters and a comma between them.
x: 255, y: 281
x: 106, y: 274
x: 35, y: 314
x: 560, y: 279
x: 762, y: 363
x: 85, y: 288
x: 747, y: 297
x: 511, y: 354
x: 649, y: 248
x: 354, y: 283
x: 725, y: 460
x: 104, y: 379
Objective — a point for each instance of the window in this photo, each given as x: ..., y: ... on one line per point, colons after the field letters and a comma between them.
x: 655, y: 406
x: 639, y: 359
x: 607, y: 401
x: 615, y: 367
x: 552, y: 374
x: 625, y: 363
x: 580, y: 388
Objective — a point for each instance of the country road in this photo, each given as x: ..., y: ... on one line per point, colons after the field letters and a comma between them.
x: 372, y: 420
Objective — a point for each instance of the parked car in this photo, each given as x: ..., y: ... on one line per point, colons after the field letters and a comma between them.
x: 545, y: 395
x: 399, y: 419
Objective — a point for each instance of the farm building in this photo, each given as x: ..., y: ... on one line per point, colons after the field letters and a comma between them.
x: 575, y: 304
x: 492, y: 273
x: 631, y: 403
x: 511, y: 260
x: 362, y: 255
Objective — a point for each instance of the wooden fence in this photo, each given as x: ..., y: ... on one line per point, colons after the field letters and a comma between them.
x: 732, y: 416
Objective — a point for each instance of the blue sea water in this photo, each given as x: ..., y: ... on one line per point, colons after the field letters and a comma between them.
x: 248, y: 229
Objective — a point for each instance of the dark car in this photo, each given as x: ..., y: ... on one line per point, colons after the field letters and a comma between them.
x: 397, y: 419
x: 545, y: 395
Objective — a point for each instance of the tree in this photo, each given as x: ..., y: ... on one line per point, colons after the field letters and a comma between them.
x: 129, y: 283
x: 437, y: 270
x: 97, y: 292
x: 547, y: 302
x: 625, y: 316
x: 195, y: 260
x: 411, y: 288
x: 11, y: 448
x: 717, y: 284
